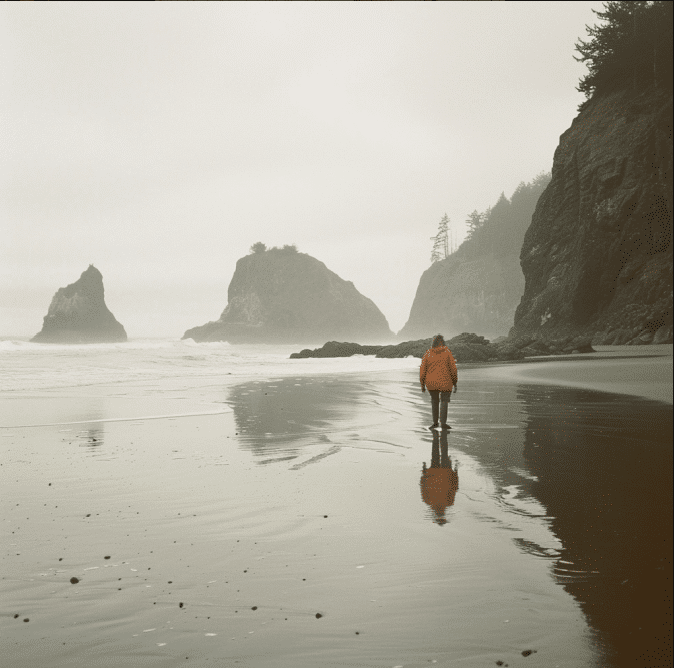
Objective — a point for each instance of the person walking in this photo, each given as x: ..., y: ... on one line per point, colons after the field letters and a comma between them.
x: 438, y: 374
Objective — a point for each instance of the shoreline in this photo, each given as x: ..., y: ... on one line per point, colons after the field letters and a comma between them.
x: 625, y: 370
x: 318, y: 522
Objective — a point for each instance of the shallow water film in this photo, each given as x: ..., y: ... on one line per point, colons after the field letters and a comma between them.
x: 317, y: 521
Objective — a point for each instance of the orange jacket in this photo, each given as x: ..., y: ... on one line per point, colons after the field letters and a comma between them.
x: 438, y: 369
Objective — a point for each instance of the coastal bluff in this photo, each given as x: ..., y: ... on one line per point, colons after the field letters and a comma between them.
x: 279, y: 295
x: 78, y: 314
x: 597, y: 257
x: 478, y: 287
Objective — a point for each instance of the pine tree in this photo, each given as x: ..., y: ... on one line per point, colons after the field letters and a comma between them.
x: 474, y: 221
x: 441, y: 241
x: 633, y: 48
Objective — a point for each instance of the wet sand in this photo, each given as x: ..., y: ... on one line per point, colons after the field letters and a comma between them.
x: 317, y: 522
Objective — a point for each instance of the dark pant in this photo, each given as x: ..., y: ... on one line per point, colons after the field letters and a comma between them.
x: 440, y: 400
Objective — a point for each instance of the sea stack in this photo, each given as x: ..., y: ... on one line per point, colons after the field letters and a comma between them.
x: 597, y: 258
x: 279, y: 295
x: 78, y: 314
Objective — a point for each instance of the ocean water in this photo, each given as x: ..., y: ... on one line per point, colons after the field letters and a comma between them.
x: 27, y: 367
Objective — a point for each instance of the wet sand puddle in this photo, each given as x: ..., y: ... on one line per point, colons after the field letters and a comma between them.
x: 320, y: 524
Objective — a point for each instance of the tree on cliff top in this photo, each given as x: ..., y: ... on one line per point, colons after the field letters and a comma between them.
x: 500, y: 229
x: 633, y: 48
x: 258, y: 247
x: 441, y: 241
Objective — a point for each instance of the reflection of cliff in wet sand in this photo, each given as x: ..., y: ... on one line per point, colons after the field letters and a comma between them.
x: 439, y: 482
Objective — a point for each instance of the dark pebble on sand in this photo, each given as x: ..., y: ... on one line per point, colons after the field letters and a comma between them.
x: 324, y: 515
x: 26, y: 619
x: 107, y: 557
x: 60, y: 558
x: 180, y: 605
x: 528, y: 652
x: 318, y: 615
x: 499, y: 663
x: 254, y: 607
x: 15, y: 616
x: 74, y: 581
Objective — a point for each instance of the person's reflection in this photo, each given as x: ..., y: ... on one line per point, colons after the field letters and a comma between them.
x: 439, y: 482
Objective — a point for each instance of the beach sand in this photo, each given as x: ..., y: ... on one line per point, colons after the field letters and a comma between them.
x: 317, y: 522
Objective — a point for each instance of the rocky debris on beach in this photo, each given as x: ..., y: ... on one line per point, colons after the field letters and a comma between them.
x: 466, y: 347
x: 597, y: 257
x: 280, y: 295
x: 78, y: 314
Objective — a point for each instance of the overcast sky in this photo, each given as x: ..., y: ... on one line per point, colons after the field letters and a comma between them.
x: 160, y: 141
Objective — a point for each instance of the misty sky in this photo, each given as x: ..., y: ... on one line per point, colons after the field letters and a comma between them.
x: 159, y: 141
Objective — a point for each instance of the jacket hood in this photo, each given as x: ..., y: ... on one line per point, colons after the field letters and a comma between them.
x: 438, y: 350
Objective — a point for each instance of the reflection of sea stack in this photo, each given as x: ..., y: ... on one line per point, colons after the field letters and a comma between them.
x: 280, y: 295
x: 78, y: 314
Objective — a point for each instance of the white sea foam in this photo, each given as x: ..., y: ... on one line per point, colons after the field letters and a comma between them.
x: 26, y: 366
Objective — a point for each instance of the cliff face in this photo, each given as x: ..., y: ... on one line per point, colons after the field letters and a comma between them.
x: 462, y: 294
x: 478, y: 287
x: 280, y: 296
x: 78, y: 314
x: 597, y: 258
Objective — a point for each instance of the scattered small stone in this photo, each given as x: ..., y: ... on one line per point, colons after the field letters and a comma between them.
x: 528, y: 652
x: 74, y: 580
x: 324, y: 515
x: 60, y: 558
x: 170, y: 582
x: 318, y: 615
x: 26, y: 619
x: 357, y: 633
x: 88, y: 515
x: 50, y: 484
x: 15, y: 616
x: 254, y: 607
x: 180, y: 605
x: 499, y: 663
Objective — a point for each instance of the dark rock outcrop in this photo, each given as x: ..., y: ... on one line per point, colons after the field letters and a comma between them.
x: 282, y: 296
x: 466, y: 347
x: 597, y: 258
x: 478, y: 287
x: 78, y: 314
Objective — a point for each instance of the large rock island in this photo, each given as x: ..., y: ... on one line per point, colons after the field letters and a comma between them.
x: 597, y: 258
x: 283, y: 296
x: 78, y: 314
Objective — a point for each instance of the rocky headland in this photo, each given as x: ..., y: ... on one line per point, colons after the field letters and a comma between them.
x: 597, y: 258
x: 478, y: 287
x: 78, y: 314
x: 466, y: 347
x: 283, y: 296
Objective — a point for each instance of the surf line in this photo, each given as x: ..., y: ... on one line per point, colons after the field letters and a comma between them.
x: 121, y: 419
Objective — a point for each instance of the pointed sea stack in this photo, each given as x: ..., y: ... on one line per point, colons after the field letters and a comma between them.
x: 282, y: 296
x: 78, y: 314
